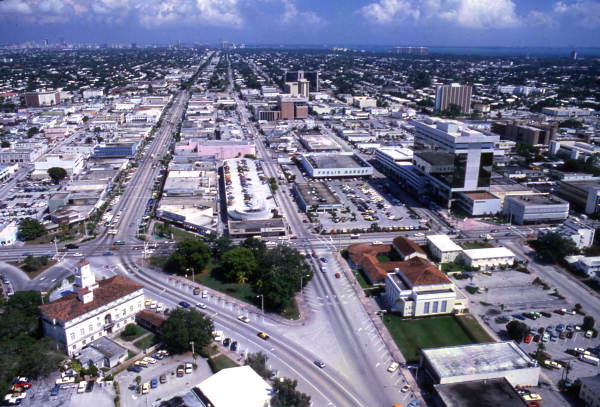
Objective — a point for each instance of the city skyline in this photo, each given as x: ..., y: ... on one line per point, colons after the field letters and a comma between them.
x: 574, y: 23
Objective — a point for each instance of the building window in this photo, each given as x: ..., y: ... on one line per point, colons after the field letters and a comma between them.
x: 74, y: 347
x: 131, y: 308
x: 444, y: 305
x: 84, y: 341
x: 72, y: 336
x: 91, y: 327
x: 426, y: 308
x: 435, y: 307
x: 92, y: 338
x: 82, y: 331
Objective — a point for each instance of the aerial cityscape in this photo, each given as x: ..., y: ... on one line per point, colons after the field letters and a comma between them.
x: 276, y: 203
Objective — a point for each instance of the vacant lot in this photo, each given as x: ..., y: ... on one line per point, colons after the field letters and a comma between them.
x: 412, y: 335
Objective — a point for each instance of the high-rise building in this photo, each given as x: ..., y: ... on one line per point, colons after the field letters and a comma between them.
x: 574, y: 55
x: 300, y: 88
x: 311, y: 76
x: 453, y: 94
x: 292, y: 107
x: 525, y: 133
x: 453, y: 158
x: 410, y: 50
x: 44, y: 98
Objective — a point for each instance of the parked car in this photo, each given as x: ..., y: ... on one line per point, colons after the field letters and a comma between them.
x: 55, y: 390
x: 134, y: 368
x: 154, y: 383
x: 226, y: 341
x: 234, y: 346
x: 180, y: 370
x: 163, y: 378
x: 188, y: 368
x: 528, y: 338
x: 393, y: 367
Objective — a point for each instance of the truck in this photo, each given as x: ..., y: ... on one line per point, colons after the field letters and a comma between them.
x: 592, y: 360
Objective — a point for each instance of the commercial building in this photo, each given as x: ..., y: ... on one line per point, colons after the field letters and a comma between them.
x: 526, y: 133
x: 43, y: 98
x: 299, y: 88
x: 487, y: 258
x: 191, y: 183
x: 478, y: 393
x: 583, y: 195
x: 580, y: 233
x: 564, y: 112
x: 103, y: 353
x: 19, y: 155
x: 226, y: 149
x: 262, y: 228
x: 420, y: 51
x: 96, y: 309
x: 197, y: 213
x: 442, y: 248
x: 315, y: 197
x: 479, y: 203
x: 451, y: 158
x: 324, y: 165
x: 115, y: 150
x: 311, y: 76
x: 590, y: 266
x: 363, y: 102
x: 573, y: 149
x: 8, y: 234
x: 73, y: 164
x: 248, y: 196
x: 459, y: 364
x: 250, y: 390
x: 540, y: 208
x: 292, y: 107
x: 7, y: 171
x: 417, y: 288
x: 319, y: 143
x: 589, y: 392
x: 453, y: 94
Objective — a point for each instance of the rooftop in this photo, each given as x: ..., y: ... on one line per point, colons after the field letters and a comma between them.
x: 476, y: 393
x: 335, y: 161
x: 406, y: 246
x: 250, y: 389
x: 439, y: 158
x: 474, y: 359
x: 539, y: 199
x: 397, y: 153
x: 488, y: 253
x: 317, y: 193
x: 444, y: 243
x: 420, y: 272
x: 480, y: 195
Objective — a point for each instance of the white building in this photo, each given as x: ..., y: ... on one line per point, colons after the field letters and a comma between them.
x: 443, y: 248
x: 92, y: 93
x: 590, y: 266
x: 73, y: 164
x: 249, y: 389
x: 6, y: 171
x: 330, y: 165
x: 539, y: 208
x: 363, y: 102
x: 8, y: 234
x: 487, y: 258
x: 580, y: 233
x: 97, y: 309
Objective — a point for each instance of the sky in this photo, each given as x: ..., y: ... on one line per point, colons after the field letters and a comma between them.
x: 550, y: 23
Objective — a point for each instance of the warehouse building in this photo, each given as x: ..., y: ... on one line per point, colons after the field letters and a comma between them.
x: 482, y: 361
x: 315, y: 196
x: 335, y: 165
x: 477, y: 393
x: 488, y: 258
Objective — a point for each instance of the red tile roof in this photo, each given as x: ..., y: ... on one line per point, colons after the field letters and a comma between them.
x: 69, y: 307
x: 421, y: 272
x: 406, y: 247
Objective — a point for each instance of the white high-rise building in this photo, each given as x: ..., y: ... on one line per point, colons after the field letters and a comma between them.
x: 453, y: 94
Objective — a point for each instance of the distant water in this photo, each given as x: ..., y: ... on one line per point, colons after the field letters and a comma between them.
x: 540, y: 52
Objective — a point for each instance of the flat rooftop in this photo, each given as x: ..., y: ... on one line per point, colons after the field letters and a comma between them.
x: 319, y: 142
x: 480, y: 195
x: 444, y: 243
x: 397, y: 153
x: 436, y: 158
x: 488, y: 253
x: 540, y: 199
x: 477, y: 393
x: 317, y: 193
x: 475, y: 359
x: 335, y: 161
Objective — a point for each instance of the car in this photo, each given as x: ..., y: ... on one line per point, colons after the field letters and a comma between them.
x: 72, y: 246
x: 549, y: 328
x: 569, y: 328
x: 109, y: 253
x: 77, y: 254
x: 323, y: 269
x: 554, y: 337
x: 188, y: 368
x: 319, y: 364
x: 163, y: 378
x: 150, y: 360
x: 546, y: 337
x: 201, y: 305
x: 562, y: 335
x: 244, y: 319
x: 393, y: 367
x: 546, y: 314
x: 234, y: 346
x: 154, y: 383
x: 338, y: 275
x: 560, y: 328
x: 146, y: 388
x: 55, y: 390
x: 263, y: 335
x: 518, y: 316
x: 184, y: 304
x: 405, y: 388
x: 589, y: 334
x: 134, y: 368
x: 226, y: 341
x: 528, y: 338
x: 180, y: 370
x: 536, y: 338
x: 81, y: 387
x: 323, y: 259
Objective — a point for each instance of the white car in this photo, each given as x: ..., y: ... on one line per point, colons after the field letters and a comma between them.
x: 201, y: 305
x: 78, y: 254
x: 244, y: 318
x: 405, y: 388
x: 393, y: 367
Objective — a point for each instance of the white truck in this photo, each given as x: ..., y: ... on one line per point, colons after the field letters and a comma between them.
x: 592, y: 360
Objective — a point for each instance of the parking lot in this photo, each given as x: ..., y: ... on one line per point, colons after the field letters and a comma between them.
x: 369, y: 202
x: 512, y: 295
x: 29, y: 199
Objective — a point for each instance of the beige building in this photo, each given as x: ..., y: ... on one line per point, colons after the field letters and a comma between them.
x: 488, y: 258
x: 442, y: 248
x: 97, y: 309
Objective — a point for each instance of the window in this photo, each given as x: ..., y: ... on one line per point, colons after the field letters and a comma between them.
x: 426, y: 308
x: 444, y: 304
x: 91, y: 327
x: 435, y: 307
x: 92, y: 338
x: 72, y: 336
x: 131, y: 308
x: 124, y: 312
x: 82, y: 331
x: 84, y: 341
x: 74, y: 347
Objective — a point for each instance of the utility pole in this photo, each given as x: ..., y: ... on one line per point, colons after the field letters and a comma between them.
x: 193, y: 353
x: 262, y: 302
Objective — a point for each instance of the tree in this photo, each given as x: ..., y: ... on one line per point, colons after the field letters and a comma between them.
x: 183, y: 326
x: 517, y: 330
x: 5, y: 144
x: 190, y: 253
x: 85, y: 119
x: 453, y: 110
x: 286, y: 395
x: 238, y: 261
x: 30, y: 229
x: 32, y: 132
x: 32, y: 264
x: 588, y: 323
x: 57, y: 173
x: 258, y: 362
x: 571, y: 123
x: 553, y: 247
x: 88, y: 140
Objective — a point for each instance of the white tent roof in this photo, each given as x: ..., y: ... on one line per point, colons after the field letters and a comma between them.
x: 235, y: 387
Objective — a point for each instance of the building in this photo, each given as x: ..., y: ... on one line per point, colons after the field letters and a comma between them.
x: 311, y: 76
x: 487, y: 258
x: 564, y: 112
x: 103, y: 353
x: 319, y: 143
x: 417, y: 288
x: 450, y: 158
x: 453, y: 94
x: 248, y: 196
x: 315, y: 197
x: 292, y: 107
x: 43, y: 98
x: 7, y: 171
x: 250, y: 389
x: 92, y: 93
x: 442, y: 248
x: 262, y: 228
x: 482, y: 361
x: 478, y: 393
x: 363, y: 102
x: 73, y: 164
x: 590, y: 266
x: 580, y: 233
x: 115, y: 150
x: 573, y: 149
x: 532, y: 134
x: 539, y: 208
x: 226, y: 149
x: 407, y: 249
x: 300, y: 88
x: 479, y: 203
x: 420, y: 51
x: 96, y: 309
x: 589, y: 391
x: 325, y: 165
x: 8, y: 234
x: 583, y: 195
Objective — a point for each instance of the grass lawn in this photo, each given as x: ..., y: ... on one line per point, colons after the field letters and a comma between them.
x: 361, y: 278
x: 476, y: 245
x: 412, y: 335
x: 243, y: 292
x: 139, y: 331
x: 146, y: 341
x: 34, y: 274
x: 291, y: 312
x: 180, y: 234
x: 446, y: 267
x: 383, y: 258
x: 221, y: 362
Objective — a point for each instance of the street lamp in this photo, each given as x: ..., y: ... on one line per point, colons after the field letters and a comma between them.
x: 262, y: 302
x: 193, y: 353
x: 301, y: 285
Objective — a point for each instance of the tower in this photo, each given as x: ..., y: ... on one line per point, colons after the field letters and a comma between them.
x: 85, y: 282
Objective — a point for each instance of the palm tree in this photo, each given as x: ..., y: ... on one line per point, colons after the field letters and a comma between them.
x: 241, y: 278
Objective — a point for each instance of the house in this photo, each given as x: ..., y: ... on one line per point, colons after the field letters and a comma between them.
x: 97, y: 309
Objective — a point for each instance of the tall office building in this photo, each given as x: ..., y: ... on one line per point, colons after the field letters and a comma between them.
x: 311, y: 76
x: 453, y: 157
x: 300, y: 88
x: 454, y: 94
x: 410, y: 50
x: 43, y: 98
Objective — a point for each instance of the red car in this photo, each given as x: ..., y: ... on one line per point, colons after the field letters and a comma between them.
x: 528, y: 339
x: 337, y: 275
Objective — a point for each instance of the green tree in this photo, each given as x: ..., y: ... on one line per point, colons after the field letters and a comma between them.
x: 190, y: 253
x: 517, y: 330
x: 588, y: 323
x: 258, y: 362
x: 57, y: 173
x: 238, y: 261
x: 5, y: 144
x: 286, y: 395
x: 32, y: 132
x: 553, y: 247
x: 183, y: 326
x: 571, y: 123
x: 30, y: 229
x: 32, y: 264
